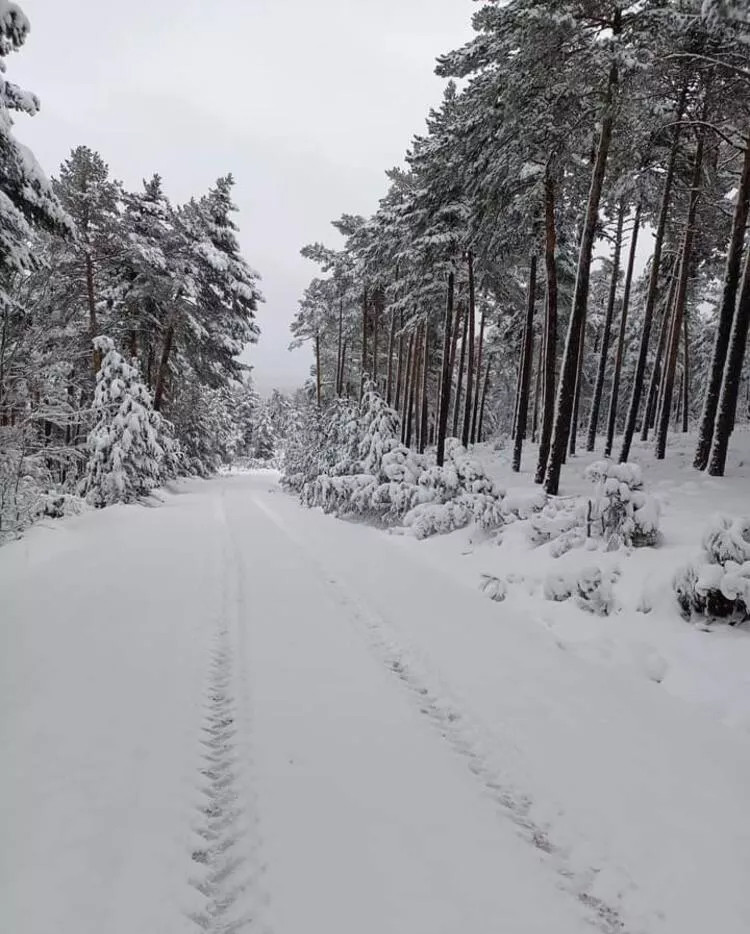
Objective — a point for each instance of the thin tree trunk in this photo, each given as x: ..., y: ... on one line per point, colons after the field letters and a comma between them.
x: 454, y: 347
x: 339, y: 357
x: 93, y: 322
x: 678, y: 407
x: 363, y: 373
x: 653, y: 396
x: 407, y: 386
x: 620, y: 352
x: 400, y: 362
x: 480, y: 351
x: 376, y: 303
x: 459, y: 385
x: 318, y: 391
x: 424, y: 405
x: 726, y: 314
x: 730, y: 385
x: 413, y: 388
x: 389, y: 377
x: 526, y: 359
x: 537, y: 389
x: 648, y: 312
x: 161, y: 376
x: 682, y: 287
x: 470, y: 354
x: 480, y: 430
x: 566, y: 389
x: 685, y: 373
x: 445, y: 378
x: 550, y: 326
x: 604, y: 349
x: 573, y: 438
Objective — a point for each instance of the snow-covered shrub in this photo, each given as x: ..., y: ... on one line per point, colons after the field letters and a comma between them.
x: 589, y: 587
x: 493, y: 587
x: 302, y: 448
x: 125, y: 454
x: 621, y: 511
x: 718, y: 587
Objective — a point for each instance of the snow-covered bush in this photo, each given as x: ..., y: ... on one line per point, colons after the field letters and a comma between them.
x: 125, y: 453
x: 361, y: 469
x: 718, y: 587
x: 302, y: 447
x: 589, y: 587
x: 493, y: 587
x: 621, y: 511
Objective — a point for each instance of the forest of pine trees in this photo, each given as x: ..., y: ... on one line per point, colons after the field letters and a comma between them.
x: 122, y: 320
x: 562, y: 258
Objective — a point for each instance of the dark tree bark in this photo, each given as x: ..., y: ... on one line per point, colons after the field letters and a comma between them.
x: 685, y: 393
x: 604, y: 349
x: 550, y: 326
x: 537, y: 389
x: 407, y: 386
x: 414, y: 384
x: 364, y: 373
x: 566, y: 389
x: 654, y: 386
x: 161, y: 376
x: 376, y: 309
x: 573, y: 436
x: 445, y: 377
x: 339, y: 356
x: 726, y: 314
x: 465, y: 434
x: 318, y: 394
x: 681, y: 295
x: 485, y: 384
x: 526, y: 359
x: 480, y: 351
x: 389, y: 376
x: 400, y: 362
x: 459, y: 386
x: 620, y: 352
x: 93, y: 322
x: 423, y: 395
x: 730, y: 385
x: 648, y: 312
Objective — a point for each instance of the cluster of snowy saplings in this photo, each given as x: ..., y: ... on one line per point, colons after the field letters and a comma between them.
x: 620, y: 513
x: 717, y: 586
x: 130, y: 446
x: 351, y: 462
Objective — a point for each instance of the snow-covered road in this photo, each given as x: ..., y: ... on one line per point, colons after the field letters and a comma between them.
x: 232, y: 714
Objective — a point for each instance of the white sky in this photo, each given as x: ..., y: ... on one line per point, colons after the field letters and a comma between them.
x: 306, y: 102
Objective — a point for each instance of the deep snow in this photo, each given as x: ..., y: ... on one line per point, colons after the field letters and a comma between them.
x: 232, y: 709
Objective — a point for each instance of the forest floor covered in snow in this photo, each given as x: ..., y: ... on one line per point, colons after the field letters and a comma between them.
x: 230, y: 713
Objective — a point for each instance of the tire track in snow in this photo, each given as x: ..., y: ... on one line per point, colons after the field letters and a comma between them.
x: 458, y: 730
x: 228, y: 867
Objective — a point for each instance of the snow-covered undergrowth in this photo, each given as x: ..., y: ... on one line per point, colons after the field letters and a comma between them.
x: 350, y: 461
x: 718, y: 585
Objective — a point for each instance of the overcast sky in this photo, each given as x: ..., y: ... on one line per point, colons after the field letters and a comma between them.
x: 306, y: 102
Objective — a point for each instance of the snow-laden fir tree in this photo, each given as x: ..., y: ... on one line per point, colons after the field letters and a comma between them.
x: 125, y: 453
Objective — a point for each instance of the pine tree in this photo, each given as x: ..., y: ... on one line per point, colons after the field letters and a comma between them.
x: 126, y: 456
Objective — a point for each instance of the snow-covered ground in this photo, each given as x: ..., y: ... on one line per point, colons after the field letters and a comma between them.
x: 230, y: 713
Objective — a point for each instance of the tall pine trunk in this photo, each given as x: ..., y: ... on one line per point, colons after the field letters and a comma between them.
x: 730, y: 384
x: 682, y: 287
x: 654, y: 386
x: 564, y: 407
x: 407, y: 387
x: 648, y: 312
x: 550, y: 326
x: 339, y: 351
x: 726, y: 314
x: 423, y: 396
x: 465, y: 434
x: 376, y: 309
x: 526, y: 359
x: 389, y: 375
x: 537, y: 389
x: 364, y: 373
x: 620, y: 352
x: 604, y: 349
x: 685, y: 374
x: 163, y: 371
x: 318, y: 388
x: 477, y: 381
x: 462, y: 358
x: 485, y: 384
x: 93, y: 322
x: 445, y: 376
x: 400, y: 362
